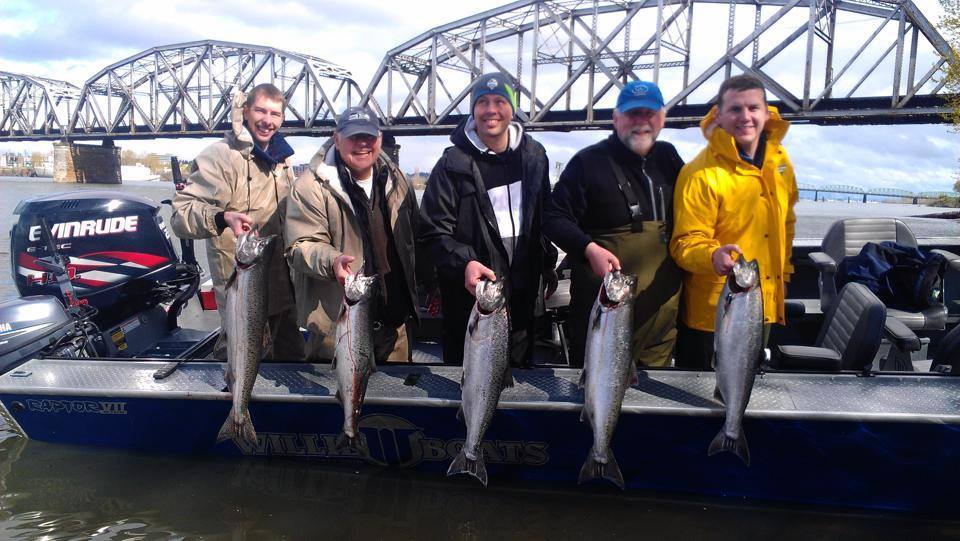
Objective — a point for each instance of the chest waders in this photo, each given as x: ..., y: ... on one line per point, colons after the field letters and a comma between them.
x: 641, y: 247
x: 658, y: 292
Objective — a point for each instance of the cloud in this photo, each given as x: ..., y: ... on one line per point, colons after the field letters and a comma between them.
x: 73, y: 40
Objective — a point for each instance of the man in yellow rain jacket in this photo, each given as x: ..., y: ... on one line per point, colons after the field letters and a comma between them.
x: 734, y: 199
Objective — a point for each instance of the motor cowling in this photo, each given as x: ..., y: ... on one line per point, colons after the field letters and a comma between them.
x: 30, y: 326
x: 119, y: 251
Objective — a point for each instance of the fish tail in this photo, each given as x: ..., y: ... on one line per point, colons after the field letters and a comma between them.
x: 738, y: 446
x: 593, y: 469
x: 475, y: 467
x: 238, y: 427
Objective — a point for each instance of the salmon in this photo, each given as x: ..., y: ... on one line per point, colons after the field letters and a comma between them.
x: 244, y: 321
x: 608, y: 369
x: 737, y: 343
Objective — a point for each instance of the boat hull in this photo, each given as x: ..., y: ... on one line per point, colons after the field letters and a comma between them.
x: 884, y: 442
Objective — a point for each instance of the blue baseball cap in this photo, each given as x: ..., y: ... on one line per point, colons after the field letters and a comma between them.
x: 639, y: 94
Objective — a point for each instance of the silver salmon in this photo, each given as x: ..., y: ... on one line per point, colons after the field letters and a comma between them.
x: 608, y: 369
x: 737, y: 343
x: 244, y: 321
x: 486, y: 371
x: 353, y: 360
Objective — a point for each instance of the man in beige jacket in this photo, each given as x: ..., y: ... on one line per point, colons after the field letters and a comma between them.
x: 235, y: 184
x: 353, y: 210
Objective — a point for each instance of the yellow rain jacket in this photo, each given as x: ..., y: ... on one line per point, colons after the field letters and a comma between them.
x: 721, y: 199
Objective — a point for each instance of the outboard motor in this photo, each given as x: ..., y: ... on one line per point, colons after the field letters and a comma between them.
x: 109, y: 260
x: 41, y: 326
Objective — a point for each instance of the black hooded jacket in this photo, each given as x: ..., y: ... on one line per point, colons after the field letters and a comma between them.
x: 458, y: 224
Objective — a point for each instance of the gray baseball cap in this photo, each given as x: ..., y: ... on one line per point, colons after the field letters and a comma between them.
x: 356, y: 120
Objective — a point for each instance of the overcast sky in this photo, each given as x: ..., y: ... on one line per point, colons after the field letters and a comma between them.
x: 73, y: 40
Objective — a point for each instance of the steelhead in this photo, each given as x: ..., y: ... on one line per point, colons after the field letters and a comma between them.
x: 244, y: 320
x: 737, y: 343
x: 486, y: 371
x: 353, y: 360
x: 608, y: 369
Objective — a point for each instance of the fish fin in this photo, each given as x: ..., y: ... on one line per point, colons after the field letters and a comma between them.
x: 738, y: 446
x: 231, y: 279
x: 238, y: 429
x: 460, y: 414
x: 596, y: 319
x: 507, y: 378
x: 634, y: 376
x: 358, y: 443
x: 718, y: 396
x: 462, y: 464
x: 583, y: 378
x: 472, y: 324
x: 338, y: 397
x: 592, y: 469
x: 228, y: 378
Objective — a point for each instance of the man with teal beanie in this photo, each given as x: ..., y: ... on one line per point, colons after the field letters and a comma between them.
x: 481, y: 215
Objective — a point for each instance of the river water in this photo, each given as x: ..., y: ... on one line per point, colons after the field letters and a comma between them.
x: 62, y: 492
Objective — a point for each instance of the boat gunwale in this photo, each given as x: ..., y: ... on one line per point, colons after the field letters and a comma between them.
x: 286, y: 397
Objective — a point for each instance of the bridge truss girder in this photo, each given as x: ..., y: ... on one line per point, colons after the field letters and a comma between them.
x: 569, y: 58
x: 35, y: 105
x: 185, y: 90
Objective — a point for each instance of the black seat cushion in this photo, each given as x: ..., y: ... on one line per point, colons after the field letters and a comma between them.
x: 853, y: 326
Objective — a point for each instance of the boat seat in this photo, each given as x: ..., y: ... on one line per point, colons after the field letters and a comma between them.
x: 849, y: 336
x: 846, y: 237
x: 947, y: 359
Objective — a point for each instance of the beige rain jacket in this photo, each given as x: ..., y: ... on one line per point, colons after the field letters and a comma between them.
x: 320, y: 226
x: 225, y: 177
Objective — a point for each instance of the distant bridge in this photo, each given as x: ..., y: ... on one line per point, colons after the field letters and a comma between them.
x: 823, y: 62
x: 875, y: 192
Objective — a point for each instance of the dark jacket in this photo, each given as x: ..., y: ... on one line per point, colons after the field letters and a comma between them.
x: 903, y: 277
x: 588, y: 197
x: 458, y: 225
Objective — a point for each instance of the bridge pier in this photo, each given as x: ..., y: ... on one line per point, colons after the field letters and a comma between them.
x: 864, y: 198
x: 86, y: 163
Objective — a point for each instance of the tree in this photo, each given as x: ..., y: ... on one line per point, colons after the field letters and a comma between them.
x: 37, y: 159
x: 129, y: 157
x: 153, y: 162
x: 950, y: 28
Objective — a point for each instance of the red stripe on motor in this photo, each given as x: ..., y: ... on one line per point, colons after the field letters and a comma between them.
x: 147, y: 260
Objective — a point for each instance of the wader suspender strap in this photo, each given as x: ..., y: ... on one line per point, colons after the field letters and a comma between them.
x: 633, y: 202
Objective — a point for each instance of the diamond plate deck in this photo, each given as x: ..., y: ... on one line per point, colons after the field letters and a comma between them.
x: 914, y: 398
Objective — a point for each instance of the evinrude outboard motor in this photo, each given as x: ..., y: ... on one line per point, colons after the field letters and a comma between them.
x: 107, y: 257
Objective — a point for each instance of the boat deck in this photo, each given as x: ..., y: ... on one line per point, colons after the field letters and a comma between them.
x: 901, y: 398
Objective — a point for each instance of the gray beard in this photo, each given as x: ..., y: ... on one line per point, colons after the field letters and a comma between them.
x: 630, y: 141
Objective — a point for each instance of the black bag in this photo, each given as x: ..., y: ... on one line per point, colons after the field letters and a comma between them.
x: 903, y: 277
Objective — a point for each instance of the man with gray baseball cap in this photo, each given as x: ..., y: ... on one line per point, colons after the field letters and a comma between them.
x: 352, y: 210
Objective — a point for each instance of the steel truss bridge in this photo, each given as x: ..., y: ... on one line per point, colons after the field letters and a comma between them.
x: 822, y: 61
x: 180, y: 90
x: 847, y: 189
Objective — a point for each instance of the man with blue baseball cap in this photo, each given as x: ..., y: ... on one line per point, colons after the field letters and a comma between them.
x: 481, y: 217
x: 612, y: 210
